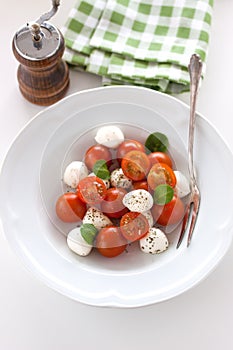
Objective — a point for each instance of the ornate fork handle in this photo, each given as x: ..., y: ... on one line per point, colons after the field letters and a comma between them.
x: 195, y: 69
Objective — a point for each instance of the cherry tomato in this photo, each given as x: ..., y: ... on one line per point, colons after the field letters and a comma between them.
x: 170, y: 213
x: 114, y: 164
x: 69, y: 208
x: 127, y: 146
x: 134, y: 226
x: 160, y: 157
x: 135, y: 165
x: 112, y: 205
x: 161, y: 173
x: 110, y: 242
x: 95, y: 153
x: 140, y: 185
x: 91, y: 190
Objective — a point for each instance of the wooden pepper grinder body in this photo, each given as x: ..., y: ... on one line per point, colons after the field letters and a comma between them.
x: 43, y: 76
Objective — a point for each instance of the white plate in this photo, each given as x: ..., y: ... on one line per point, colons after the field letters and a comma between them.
x: 30, y: 182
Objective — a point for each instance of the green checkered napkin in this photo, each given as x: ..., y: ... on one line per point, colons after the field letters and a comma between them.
x: 140, y: 42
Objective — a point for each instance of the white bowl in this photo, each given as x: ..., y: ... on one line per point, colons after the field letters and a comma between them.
x: 31, y: 181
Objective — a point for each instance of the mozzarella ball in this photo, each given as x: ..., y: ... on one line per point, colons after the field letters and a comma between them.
x: 74, y: 172
x: 110, y: 136
x: 154, y: 242
x: 182, y: 184
x: 77, y: 243
x: 149, y: 217
x: 106, y: 182
x: 118, y: 179
x: 97, y: 218
x: 138, y: 200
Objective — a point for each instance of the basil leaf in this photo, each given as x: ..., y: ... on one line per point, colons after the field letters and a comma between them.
x: 163, y: 194
x: 88, y: 232
x: 157, y: 142
x: 101, y: 170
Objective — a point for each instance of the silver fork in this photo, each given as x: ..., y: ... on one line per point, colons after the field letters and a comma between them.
x: 195, y: 68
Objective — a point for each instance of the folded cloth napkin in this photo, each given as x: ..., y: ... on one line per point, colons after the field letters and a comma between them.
x: 141, y: 42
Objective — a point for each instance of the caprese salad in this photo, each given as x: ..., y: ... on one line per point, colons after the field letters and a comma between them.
x: 122, y: 192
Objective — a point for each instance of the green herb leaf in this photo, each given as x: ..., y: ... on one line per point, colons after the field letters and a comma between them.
x: 101, y: 169
x: 88, y: 232
x: 163, y: 194
x: 157, y: 142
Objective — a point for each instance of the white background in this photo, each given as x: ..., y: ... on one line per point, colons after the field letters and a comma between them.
x: 34, y: 317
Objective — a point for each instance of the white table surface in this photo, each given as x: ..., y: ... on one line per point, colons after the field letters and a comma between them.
x: 34, y: 317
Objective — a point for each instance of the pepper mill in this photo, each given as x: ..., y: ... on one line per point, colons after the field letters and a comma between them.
x: 43, y: 76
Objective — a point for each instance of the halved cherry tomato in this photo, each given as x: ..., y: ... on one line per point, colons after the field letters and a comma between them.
x: 160, y: 157
x: 161, y: 173
x: 127, y: 146
x: 91, y: 190
x: 135, y: 165
x: 170, y: 213
x: 110, y: 242
x: 95, y: 153
x: 69, y: 208
x: 140, y: 185
x: 134, y: 226
x: 112, y: 205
